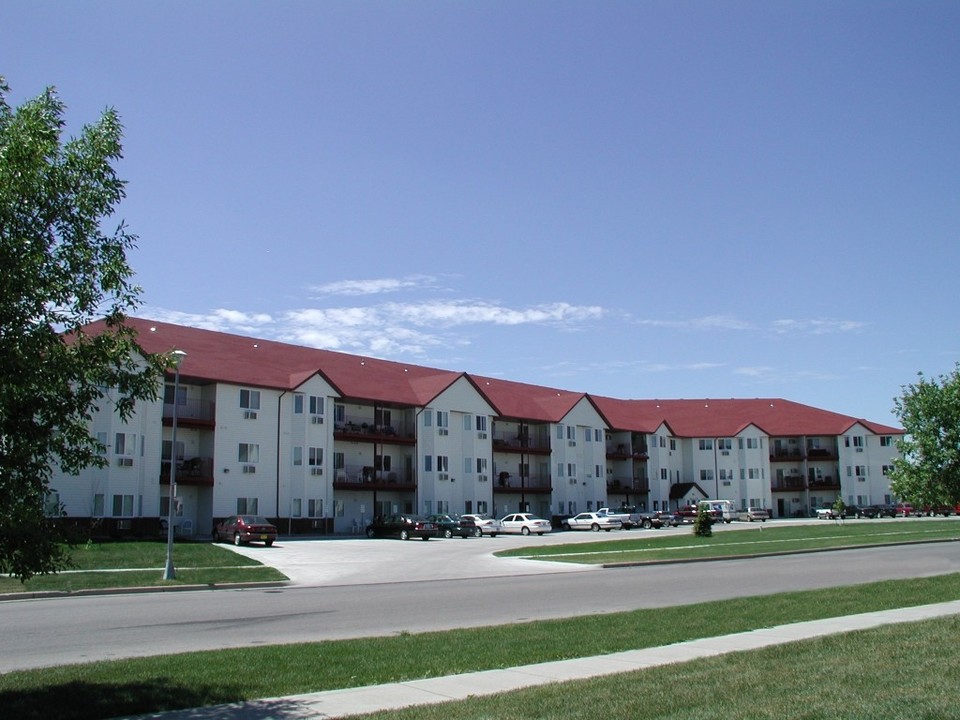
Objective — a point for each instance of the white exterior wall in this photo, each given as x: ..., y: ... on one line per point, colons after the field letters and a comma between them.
x: 862, y: 462
x: 462, y: 444
x: 579, y: 478
x: 301, y: 481
x: 753, y: 455
x: 233, y: 428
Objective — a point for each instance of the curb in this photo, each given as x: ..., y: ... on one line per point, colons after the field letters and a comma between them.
x: 42, y: 594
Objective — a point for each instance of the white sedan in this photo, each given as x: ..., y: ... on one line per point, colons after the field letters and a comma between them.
x: 524, y: 523
x: 592, y: 521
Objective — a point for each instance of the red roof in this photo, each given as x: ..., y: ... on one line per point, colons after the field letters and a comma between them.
x: 221, y: 357
x: 726, y: 418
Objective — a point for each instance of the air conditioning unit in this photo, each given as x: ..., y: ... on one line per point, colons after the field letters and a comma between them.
x: 859, y: 449
x: 125, y: 462
x: 481, y: 478
x: 726, y: 483
x: 443, y: 476
x: 443, y: 431
x: 316, y: 471
x: 861, y: 479
x: 249, y: 414
x: 123, y: 524
x: 571, y: 443
x: 481, y: 436
x: 317, y: 419
x: 724, y: 452
x: 249, y: 469
x: 573, y: 481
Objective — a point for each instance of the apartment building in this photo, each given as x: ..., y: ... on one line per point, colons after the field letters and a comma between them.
x: 322, y: 442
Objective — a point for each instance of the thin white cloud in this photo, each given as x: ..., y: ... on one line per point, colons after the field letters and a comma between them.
x: 388, y: 329
x: 708, y: 322
x: 375, y: 286
x: 821, y: 326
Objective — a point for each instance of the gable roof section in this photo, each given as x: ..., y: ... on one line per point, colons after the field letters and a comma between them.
x: 214, y: 356
x: 728, y: 418
x: 222, y: 357
x: 521, y: 401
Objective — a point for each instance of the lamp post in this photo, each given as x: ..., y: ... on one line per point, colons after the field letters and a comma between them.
x: 169, y: 573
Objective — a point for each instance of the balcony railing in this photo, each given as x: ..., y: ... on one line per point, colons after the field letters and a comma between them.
x: 514, y: 442
x: 191, y: 412
x: 366, y: 477
x: 192, y: 471
x: 363, y: 430
x: 621, y: 485
x: 528, y: 483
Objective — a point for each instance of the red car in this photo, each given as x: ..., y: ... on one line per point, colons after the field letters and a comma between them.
x: 241, y: 529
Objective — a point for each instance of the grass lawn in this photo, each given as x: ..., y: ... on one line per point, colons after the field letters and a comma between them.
x: 906, y: 669
x: 129, y: 564
x: 759, y: 538
x: 913, y: 674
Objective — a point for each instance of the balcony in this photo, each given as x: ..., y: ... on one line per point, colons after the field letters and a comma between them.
x: 363, y: 431
x: 366, y: 477
x: 516, y: 485
x: 192, y: 413
x: 193, y: 471
x: 627, y: 486
x: 789, y: 484
x: 622, y: 451
x: 521, y: 443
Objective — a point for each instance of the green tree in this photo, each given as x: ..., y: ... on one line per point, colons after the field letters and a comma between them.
x: 703, y: 523
x: 928, y: 473
x: 59, y: 270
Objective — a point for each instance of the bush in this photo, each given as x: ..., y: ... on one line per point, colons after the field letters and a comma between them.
x: 703, y: 525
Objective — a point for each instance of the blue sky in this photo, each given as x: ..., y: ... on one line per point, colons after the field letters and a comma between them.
x: 678, y: 199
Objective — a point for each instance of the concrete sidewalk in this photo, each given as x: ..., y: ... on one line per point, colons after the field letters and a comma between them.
x: 356, y: 701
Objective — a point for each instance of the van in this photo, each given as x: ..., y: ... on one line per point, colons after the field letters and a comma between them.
x: 720, y: 510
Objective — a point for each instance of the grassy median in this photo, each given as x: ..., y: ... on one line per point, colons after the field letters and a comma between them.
x: 111, y: 689
x: 757, y: 539
x: 138, y: 564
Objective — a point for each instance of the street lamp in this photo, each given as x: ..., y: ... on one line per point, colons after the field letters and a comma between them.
x: 177, y: 357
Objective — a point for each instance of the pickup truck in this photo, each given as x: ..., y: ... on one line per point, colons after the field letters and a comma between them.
x: 631, y: 517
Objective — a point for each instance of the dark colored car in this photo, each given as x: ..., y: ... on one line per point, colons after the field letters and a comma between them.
x: 877, y: 511
x: 448, y: 527
x: 851, y: 511
x: 242, y: 529
x: 402, y: 526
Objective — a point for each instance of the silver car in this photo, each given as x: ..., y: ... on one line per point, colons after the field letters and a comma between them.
x: 485, y: 524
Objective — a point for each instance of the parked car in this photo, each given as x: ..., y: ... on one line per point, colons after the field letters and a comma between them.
x: 483, y: 524
x: 524, y: 523
x: 826, y: 513
x: 448, y: 527
x: 242, y: 529
x: 754, y: 513
x: 688, y: 513
x: 401, y: 526
x: 945, y: 510
x: 905, y: 510
x: 592, y: 521
x: 877, y: 511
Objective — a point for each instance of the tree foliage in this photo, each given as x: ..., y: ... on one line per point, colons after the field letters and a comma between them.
x: 928, y: 473
x: 59, y: 270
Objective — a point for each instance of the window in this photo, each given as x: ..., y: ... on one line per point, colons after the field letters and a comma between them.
x: 886, y: 441
x: 248, y: 506
x: 248, y: 453
x: 98, y: 505
x: 442, y: 463
x: 296, y: 507
x: 383, y: 462
x: 168, y: 395
x: 673, y: 443
x: 481, y: 506
x: 468, y: 421
x: 598, y: 435
x: 250, y: 399
x: 125, y: 444
x: 315, y: 507
x: 338, y: 461
x: 663, y: 474
x: 571, y: 432
x: 298, y: 404
x: 706, y: 474
x: 339, y: 414
x: 588, y: 434
x: 165, y: 507
x: 598, y: 471
x: 443, y: 422
x: 560, y: 431
x: 297, y: 455
x: 315, y: 457
x: 123, y: 505
x: 858, y: 441
x: 481, y: 465
x: 724, y: 444
x: 706, y: 443
x: 571, y: 469
x: 165, y: 451
x: 481, y: 423
x: 51, y: 504
x: 428, y: 463
x: 428, y: 418
x: 316, y: 405
x: 887, y: 469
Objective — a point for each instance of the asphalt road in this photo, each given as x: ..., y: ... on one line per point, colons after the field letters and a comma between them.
x: 356, y: 588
